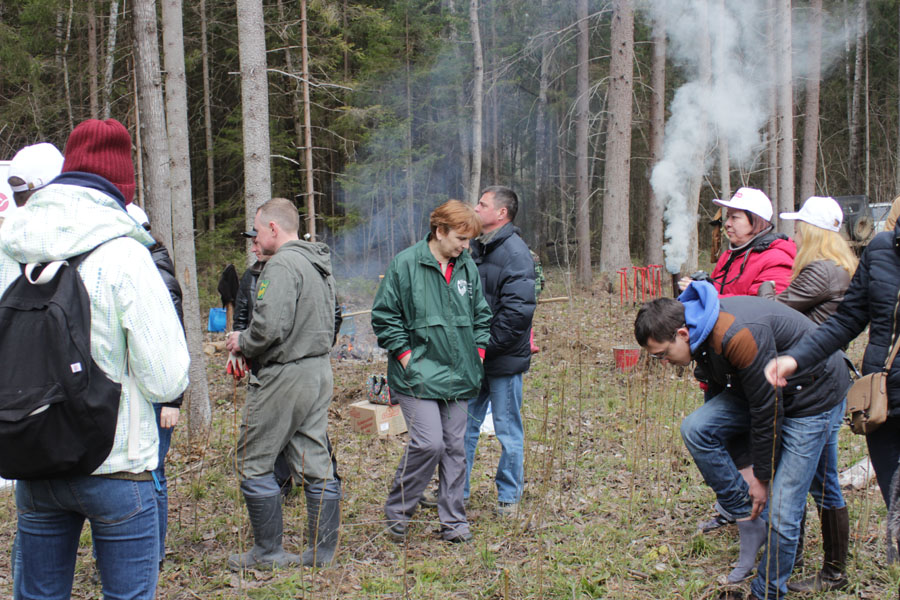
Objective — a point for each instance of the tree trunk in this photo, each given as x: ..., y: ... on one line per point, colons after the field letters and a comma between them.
x: 696, y: 181
x: 307, y: 129
x: 111, y: 54
x: 477, y: 102
x: 724, y: 162
x: 785, y: 119
x: 495, y: 107
x: 410, y: 188
x: 855, y: 150
x: 207, y: 122
x: 772, y: 125
x: 94, y: 93
x: 811, y: 120
x: 295, y: 93
x: 583, y: 275
x: 254, y: 108
x: 138, y: 141
x: 155, y: 145
x: 653, y: 253
x: 65, y: 67
x: 463, y: 132
x: 197, y: 395
x: 614, y: 249
x: 542, y: 149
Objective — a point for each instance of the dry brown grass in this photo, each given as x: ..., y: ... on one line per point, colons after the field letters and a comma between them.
x: 610, y: 509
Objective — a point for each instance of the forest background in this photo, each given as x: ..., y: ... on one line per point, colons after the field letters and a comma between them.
x: 616, y: 121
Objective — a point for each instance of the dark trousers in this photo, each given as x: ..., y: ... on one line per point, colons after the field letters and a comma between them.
x: 884, y: 451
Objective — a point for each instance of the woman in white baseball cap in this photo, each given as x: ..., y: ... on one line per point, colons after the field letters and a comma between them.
x: 822, y: 272
x: 755, y: 252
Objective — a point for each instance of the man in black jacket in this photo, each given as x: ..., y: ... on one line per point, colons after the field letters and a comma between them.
x: 507, y: 279
x: 732, y: 339
x: 243, y: 302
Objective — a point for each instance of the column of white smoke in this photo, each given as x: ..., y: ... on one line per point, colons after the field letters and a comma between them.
x: 733, y: 105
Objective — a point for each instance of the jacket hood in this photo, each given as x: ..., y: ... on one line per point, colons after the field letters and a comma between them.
x: 318, y: 253
x: 701, y: 311
x: 61, y: 220
x: 91, y: 180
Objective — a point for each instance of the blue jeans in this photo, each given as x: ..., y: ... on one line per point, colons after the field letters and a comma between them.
x: 826, y: 486
x: 803, y: 439
x: 504, y: 394
x: 706, y: 433
x: 162, y: 491
x: 123, y: 522
x: 802, y: 443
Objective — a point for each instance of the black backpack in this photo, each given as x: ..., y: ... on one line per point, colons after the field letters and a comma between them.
x: 58, y: 409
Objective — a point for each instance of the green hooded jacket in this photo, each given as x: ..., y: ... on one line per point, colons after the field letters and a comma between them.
x: 443, y: 325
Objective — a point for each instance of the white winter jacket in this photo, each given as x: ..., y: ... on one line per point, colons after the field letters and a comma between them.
x: 131, y: 310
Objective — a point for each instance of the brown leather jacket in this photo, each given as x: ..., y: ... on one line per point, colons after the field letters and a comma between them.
x: 816, y: 291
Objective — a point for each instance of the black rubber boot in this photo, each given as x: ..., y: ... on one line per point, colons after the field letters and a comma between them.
x: 267, y: 552
x: 835, y: 541
x: 324, y: 521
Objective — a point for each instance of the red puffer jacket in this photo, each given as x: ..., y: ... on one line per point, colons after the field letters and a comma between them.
x: 769, y: 257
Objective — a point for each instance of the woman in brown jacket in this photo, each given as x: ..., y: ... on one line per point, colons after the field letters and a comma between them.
x: 822, y: 272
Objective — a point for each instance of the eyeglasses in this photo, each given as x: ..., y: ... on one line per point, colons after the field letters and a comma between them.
x: 661, y: 355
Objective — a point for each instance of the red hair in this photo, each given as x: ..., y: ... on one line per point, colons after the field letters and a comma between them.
x: 455, y: 215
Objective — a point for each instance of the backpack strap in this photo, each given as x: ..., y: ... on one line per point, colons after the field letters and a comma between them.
x: 49, y: 270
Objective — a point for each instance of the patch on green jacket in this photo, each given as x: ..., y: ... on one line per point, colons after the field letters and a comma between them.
x: 262, y: 288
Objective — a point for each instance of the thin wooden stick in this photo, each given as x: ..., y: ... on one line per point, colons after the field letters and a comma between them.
x: 541, y: 301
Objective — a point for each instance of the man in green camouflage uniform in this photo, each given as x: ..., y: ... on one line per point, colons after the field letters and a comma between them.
x: 289, y: 339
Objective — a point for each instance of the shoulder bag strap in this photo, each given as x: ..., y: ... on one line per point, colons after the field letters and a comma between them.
x: 894, y: 345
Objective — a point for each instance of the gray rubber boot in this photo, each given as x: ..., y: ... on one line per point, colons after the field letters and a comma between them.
x: 323, y: 514
x: 267, y: 552
x: 753, y: 536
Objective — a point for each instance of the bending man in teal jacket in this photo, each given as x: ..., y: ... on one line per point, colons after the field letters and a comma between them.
x: 289, y: 340
x: 431, y: 317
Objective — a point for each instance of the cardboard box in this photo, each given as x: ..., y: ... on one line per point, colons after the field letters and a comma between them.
x: 376, y: 419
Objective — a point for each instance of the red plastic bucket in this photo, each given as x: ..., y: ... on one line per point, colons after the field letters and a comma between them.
x: 626, y: 357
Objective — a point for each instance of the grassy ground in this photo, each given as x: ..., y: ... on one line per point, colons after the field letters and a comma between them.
x: 611, y: 504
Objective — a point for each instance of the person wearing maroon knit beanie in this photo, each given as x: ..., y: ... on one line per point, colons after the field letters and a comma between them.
x: 102, y: 148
